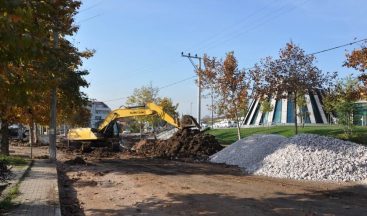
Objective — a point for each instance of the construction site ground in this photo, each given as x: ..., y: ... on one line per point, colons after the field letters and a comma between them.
x: 123, y: 184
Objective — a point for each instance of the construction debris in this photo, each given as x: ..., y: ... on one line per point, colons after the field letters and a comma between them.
x: 184, y: 143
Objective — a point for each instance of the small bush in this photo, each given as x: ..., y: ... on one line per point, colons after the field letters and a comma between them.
x: 5, y: 172
x: 13, y: 160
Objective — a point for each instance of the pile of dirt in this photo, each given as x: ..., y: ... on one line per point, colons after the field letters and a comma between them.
x: 183, y: 144
x: 76, y: 161
x: 102, y: 152
x: 42, y: 157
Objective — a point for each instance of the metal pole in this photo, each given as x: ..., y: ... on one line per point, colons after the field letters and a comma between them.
x: 212, y: 108
x: 190, y: 57
x: 52, y: 130
x: 199, y: 94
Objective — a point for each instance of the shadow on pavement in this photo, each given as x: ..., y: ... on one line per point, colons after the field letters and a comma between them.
x: 346, y: 201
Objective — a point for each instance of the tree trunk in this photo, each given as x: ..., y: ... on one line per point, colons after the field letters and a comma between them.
x: 295, y: 114
x: 36, y: 132
x: 4, y: 149
x: 31, y: 136
x: 238, y: 127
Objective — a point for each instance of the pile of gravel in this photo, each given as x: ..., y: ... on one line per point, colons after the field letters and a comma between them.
x: 250, y: 152
x: 305, y: 156
x: 314, y: 157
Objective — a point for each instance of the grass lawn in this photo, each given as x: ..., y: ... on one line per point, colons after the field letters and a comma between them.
x: 13, y: 160
x: 229, y: 135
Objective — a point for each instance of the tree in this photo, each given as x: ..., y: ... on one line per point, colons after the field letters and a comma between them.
x: 293, y: 73
x: 301, y: 104
x: 357, y: 59
x: 266, y: 107
x: 30, y: 65
x: 229, y: 85
x: 208, y: 76
x: 146, y: 94
x: 341, y: 99
x: 143, y: 95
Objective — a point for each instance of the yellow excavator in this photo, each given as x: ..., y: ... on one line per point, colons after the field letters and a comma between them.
x: 105, y: 129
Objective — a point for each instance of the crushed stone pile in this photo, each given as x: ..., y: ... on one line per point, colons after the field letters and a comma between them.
x: 305, y: 156
x: 314, y: 157
x: 183, y: 144
x: 250, y: 152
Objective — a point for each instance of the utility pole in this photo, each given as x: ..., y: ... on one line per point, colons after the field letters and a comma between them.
x: 212, y: 108
x: 52, y: 130
x: 190, y: 57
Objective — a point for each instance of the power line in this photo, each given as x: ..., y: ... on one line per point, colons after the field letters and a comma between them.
x: 328, y: 49
x: 192, y: 77
x: 337, y: 47
x: 162, y: 87
x: 221, y: 33
x: 177, y: 82
x: 114, y: 99
x: 263, y: 20
x: 91, y: 7
x: 89, y: 18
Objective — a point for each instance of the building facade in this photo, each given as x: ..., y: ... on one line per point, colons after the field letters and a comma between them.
x: 283, y: 111
x: 99, y: 111
x: 360, y: 114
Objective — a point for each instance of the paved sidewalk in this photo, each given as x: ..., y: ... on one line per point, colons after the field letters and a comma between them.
x: 38, y: 191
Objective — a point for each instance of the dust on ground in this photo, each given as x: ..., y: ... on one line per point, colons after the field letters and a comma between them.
x: 128, y: 184
x: 142, y: 186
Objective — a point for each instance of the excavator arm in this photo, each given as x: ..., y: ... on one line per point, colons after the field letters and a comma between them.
x: 147, y: 110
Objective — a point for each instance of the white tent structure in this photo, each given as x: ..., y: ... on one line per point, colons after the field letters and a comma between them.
x: 283, y: 111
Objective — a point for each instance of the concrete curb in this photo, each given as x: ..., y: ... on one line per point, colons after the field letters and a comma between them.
x: 58, y: 207
x: 17, y: 180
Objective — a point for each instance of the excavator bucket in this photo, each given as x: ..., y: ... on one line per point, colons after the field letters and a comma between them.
x: 187, y: 121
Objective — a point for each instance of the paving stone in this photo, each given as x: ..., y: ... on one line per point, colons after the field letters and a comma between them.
x: 38, y: 191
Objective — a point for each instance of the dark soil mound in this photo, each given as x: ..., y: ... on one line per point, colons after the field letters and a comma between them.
x: 183, y: 144
x: 42, y: 157
x: 76, y: 161
x: 102, y: 152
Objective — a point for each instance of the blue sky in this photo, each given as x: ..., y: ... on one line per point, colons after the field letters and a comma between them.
x: 140, y: 41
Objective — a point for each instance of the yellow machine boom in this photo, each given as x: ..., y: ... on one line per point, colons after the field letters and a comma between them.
x: 88, y: 134
x: 151, y: 109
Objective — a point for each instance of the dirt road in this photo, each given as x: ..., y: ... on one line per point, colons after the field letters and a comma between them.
x: 161, y: 187
x: 124, y: 185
